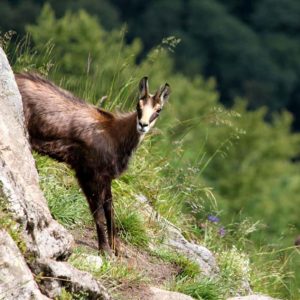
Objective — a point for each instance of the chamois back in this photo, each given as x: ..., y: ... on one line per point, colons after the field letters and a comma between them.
x: 56, y: 113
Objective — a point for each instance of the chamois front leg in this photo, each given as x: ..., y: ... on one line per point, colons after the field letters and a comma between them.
x: 95, y: 190
x: 110, y: 219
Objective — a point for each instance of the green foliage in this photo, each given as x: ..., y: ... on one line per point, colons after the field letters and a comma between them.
x: 261, y: 159
x: 276, y: 278
x: 235, y: 269
x: 85, y: 51
x: 187, y: 267
x: 203, y: 289
x: 250, y: 47
x: 65, y: 200
x: 111, y: 273
x: 8, y: 224
x: 131, y: 226
x: 65, y: 295
x: 200, y: 144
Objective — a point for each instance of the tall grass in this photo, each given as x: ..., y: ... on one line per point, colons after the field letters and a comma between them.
x: 176, y: 191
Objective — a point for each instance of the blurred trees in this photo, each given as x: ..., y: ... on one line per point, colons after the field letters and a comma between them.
x: 250, y: 47
x: 246, y: 160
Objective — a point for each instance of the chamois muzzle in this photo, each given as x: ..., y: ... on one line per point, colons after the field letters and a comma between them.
x: 142, y: 127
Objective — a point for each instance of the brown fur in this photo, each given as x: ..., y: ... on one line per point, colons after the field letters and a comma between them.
x: 95, y: 143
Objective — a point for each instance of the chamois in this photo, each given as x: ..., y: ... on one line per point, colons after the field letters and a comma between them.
x: 96, y: 143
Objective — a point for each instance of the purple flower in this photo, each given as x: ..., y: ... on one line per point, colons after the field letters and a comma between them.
x: 213, y: 219
x: 222, y: 231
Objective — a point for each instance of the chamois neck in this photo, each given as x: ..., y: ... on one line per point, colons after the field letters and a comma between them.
x: 126, y: 128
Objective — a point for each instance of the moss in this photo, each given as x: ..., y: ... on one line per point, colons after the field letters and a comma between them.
x: 66, y: 295
x: 8, y: 224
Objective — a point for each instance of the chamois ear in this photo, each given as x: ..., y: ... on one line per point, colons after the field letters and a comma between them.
x: 163, y: 93
x: 144, y: 88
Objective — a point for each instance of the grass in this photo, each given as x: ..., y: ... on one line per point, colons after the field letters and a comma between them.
x: 114, y: 273
x: 204, y: 289
x: 131, y: 228
x: 177, y: 194
x: 234, y: 250
x: 275, y: 278
x: 187, y: 268
x: 65, y: 199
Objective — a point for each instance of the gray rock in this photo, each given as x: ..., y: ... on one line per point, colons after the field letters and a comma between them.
x: 175, y: 240
x: 158, y: 294
x: 61, y: 274
x: 197, y: 253
x: 16, y: 280
x: 44, y: 237
x: 93, y: 262
x: 253, y: 297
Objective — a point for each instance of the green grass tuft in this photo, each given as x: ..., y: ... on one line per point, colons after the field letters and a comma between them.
x: 132, y: 229
x: 65, y: 199
x: 111, y: 273
x: 187, y: 267
x: 8, y: 224
x: 202, y: 289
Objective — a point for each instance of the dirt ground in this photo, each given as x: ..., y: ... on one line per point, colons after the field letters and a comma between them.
x: 155, y: 272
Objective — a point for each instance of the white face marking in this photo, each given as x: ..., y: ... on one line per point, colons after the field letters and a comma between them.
x: 143, y: 125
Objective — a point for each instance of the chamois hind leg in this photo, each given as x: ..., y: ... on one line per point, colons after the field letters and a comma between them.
x: 110, y: 219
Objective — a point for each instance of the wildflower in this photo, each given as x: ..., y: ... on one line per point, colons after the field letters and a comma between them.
x: 213, y: 219
x: 222, y: 231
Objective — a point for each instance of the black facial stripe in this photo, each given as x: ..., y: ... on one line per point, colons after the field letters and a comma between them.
x: 139, y: 111
x: 153, y: 117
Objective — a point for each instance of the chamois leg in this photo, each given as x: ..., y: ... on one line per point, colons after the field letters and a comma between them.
x: 110, y: 219
x: 94, y: 191
x: 99, y: 217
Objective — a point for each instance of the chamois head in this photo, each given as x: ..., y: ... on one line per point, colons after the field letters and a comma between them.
x: 149, y: 106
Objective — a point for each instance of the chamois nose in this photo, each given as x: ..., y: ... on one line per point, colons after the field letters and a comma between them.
x: 143, y: 124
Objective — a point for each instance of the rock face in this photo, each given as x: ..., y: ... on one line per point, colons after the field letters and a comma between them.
x: 158, y: 294
x: 45, y: 239
x: 197, y: 253
x: 253, y: 297
x: 174, y: 239
x: 60, y: 273
x: 16, y: 280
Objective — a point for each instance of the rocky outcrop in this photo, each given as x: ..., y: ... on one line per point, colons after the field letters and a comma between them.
x: 16, y: 279
x: 175, y: 240
x: 158, y: 294
x: 61, y: 274
x: 253, y: 297
x: 43, y: 236
x: 197, y: 253
x: 45, y: 239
